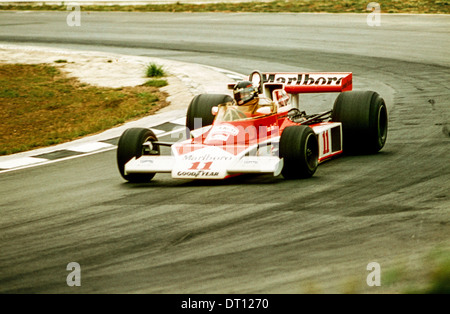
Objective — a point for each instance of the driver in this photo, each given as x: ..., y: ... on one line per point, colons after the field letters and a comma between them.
x: 246, y: 96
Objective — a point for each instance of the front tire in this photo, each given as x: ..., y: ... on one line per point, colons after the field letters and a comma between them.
x: 364, y: 119
x: 130, y: 145
x: 199, y: 111
x: 299, y: 149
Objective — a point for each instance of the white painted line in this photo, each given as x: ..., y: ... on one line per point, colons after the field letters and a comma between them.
x: 157, y: 132
x: 28, y: 162
x: 181, y: 121
x: 46, y: 161
x: 89, y: 147
x: 235, y: 77
x: 20, y: 162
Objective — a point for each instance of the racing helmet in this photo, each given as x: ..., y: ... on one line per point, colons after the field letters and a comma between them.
x: 244, y: 92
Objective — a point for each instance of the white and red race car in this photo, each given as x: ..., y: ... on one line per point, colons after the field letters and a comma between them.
x: 275, y: 137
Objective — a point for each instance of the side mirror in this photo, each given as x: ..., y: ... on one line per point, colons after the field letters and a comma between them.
x: 281, y: 97
x: 257, y: 79
x: 214, y: 110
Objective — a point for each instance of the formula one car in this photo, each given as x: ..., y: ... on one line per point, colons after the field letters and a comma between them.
x: 261, y: 130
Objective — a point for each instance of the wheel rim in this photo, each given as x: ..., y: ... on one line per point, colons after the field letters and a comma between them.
x: 311, y: 152
x: 147, y: 150
x: 382, y: 125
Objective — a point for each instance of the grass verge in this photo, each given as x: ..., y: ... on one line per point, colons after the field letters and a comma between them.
x: 433, y: 278
x: 40, y: 106
x: 156, y: 83
x: 344, y: 6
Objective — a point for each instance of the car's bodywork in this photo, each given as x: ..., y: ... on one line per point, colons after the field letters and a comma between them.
x: 250, y: 140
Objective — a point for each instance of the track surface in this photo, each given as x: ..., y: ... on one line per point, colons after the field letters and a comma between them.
x: 251, y: 234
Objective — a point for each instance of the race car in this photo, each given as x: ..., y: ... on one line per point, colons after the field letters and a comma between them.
x: 261, y: 129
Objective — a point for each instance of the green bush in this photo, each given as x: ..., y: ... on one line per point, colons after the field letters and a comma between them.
x: 154, y: 70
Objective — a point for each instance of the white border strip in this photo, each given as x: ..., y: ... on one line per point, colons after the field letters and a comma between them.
x: 20, y: 162
x: 95, y: 147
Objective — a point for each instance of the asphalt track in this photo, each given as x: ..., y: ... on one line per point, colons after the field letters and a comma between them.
x: 252, y: 234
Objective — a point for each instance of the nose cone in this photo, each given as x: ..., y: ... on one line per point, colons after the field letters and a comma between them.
x: 209, y: 162
x: 228, y: 134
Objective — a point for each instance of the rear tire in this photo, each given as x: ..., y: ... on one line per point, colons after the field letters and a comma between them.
x: 364, y: 119
x: 130, y: 145
x: 299, y: 149
x: 200, y: 108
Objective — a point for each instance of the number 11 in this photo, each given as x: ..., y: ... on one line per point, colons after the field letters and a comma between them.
x: 326, y: 143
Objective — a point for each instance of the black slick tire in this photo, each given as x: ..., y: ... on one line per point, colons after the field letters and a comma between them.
x: 364, y: 119
x: 130, y: 145
x: 299, y: 149
x: 199, y: 111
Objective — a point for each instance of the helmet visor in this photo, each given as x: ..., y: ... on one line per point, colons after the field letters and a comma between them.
x: 242, y: 95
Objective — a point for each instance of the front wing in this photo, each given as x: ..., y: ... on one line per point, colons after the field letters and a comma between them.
x: 183, y: 167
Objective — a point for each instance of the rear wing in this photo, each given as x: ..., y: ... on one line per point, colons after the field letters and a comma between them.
x: 296, y: 83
